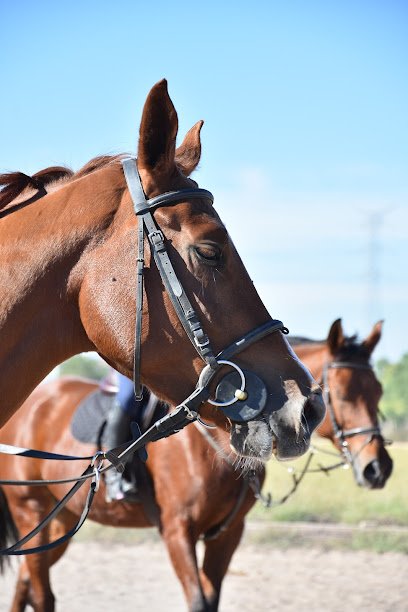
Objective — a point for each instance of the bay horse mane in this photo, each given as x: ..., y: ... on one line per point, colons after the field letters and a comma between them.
x: 351, y: 347
x: 33, y: 187
x: 15, y: 184
x: 296, y: 340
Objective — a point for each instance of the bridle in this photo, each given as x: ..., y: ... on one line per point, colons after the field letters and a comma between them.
x: 340, y: 433
x: 248, y: 398
x: 244, y: 403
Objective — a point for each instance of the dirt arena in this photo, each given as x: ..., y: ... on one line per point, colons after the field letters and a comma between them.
x: 100, y: 576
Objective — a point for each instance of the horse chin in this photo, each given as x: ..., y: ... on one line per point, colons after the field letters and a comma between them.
x: 253, y: 439
x: 260, y: 440
x: 288, y: 449
x: 284, y: 432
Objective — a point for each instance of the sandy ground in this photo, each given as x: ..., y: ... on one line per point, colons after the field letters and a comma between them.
x: 97, y: 576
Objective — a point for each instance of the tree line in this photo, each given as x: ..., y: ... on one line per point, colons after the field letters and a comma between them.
x: 394, y: 379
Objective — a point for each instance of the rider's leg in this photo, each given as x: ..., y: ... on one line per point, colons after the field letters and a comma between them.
x: 117, y: 431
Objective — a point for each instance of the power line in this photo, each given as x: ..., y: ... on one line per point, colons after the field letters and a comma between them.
x: 373, y: 303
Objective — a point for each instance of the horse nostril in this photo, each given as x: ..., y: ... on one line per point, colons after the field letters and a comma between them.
x: 373, y: 475
x: 314, y: 410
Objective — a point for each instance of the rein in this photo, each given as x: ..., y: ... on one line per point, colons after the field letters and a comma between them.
x: 188, y: 410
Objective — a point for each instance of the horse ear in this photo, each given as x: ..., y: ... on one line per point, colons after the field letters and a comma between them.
x: 158, y: 131
x: 335, y: 339
x: 189, y: 152
x: 373, y: 338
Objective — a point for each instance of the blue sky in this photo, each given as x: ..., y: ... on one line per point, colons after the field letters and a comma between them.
x: 305, y: 136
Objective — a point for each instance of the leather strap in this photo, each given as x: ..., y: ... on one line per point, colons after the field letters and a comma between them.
x: 172, y: 197
x: 15, y: 548
x: 137, y: 356
x: 7, y: 449
x: 184, y: 310
x: 339, y: 432
x: 168, y: 425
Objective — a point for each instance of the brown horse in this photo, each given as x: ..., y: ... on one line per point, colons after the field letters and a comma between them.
x: 196, y: 487
x: 352, y: 394
x: 68, y: 285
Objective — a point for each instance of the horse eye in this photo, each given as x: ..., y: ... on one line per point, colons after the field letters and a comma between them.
x: 208, y: 253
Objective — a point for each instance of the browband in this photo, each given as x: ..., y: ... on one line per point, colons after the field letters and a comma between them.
x: 141, y: 204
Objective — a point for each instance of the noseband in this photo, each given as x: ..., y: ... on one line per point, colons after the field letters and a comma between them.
x: 340, y: 433
x: 248, y: 396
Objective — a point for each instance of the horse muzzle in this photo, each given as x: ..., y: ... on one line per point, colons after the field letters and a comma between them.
x: 293, y: 425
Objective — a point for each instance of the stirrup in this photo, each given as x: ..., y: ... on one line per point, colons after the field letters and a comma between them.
x: 118, y: 489
x: 113, y: 484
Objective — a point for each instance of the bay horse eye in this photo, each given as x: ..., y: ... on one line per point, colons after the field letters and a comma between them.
x: 208, y: 253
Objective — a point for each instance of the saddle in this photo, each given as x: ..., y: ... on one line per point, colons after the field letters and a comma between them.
x: 88, y: 426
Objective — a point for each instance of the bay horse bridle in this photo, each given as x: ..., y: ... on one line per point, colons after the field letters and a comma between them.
x: 340, y: 433
x: 249, y: 398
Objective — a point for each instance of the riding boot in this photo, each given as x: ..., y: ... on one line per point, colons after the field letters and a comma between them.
x: 117, y: 431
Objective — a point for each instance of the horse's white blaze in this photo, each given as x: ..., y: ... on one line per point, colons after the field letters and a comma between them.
x: 293, y: 407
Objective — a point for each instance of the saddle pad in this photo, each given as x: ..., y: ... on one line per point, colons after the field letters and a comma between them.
x: 90, y: 417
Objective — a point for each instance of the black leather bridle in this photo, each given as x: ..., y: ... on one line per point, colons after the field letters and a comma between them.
x: 143, y: 209
x: 340, y: 433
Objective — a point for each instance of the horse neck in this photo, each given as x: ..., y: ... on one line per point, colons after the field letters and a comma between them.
x: 40, y: 324
x: 315, y: 355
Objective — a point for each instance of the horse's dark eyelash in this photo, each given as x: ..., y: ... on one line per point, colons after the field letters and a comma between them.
x: 210, y: 261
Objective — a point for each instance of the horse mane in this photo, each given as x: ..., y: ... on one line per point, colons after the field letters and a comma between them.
x: 14, y: 183
x: 296, y: 340
x: 351, y: 347
x: 96, y: 163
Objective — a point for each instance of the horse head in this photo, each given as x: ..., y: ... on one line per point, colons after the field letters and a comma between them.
x: 208, y: 271
x: 352, y: 394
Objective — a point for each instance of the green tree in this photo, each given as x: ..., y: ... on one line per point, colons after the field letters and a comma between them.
x: 89, y: 366
x: 394, y: 378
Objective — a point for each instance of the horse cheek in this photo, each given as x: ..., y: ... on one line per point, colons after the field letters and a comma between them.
x: 104, y: 314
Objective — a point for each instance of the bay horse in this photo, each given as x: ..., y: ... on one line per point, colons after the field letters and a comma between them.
x: 69, y: 258
x: 197, y: 489
x: 352, y: 393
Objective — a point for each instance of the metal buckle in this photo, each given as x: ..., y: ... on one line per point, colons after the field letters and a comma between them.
x: 157, y: 240
x: 201, y: 344
x: 97, y: 464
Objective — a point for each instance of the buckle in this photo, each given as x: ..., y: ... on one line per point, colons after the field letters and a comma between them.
x: 201, y: 344
x: 157, y: 240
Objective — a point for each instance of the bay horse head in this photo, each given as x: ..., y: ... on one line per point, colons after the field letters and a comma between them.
x: 88, y: 246
x: 352, y: 394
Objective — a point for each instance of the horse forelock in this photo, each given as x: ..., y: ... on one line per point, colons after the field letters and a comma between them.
x: 353, y: 348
